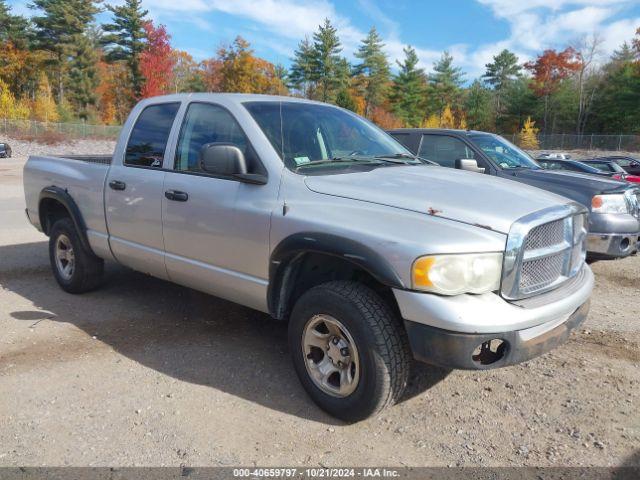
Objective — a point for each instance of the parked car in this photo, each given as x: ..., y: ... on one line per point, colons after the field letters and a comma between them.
x: 555, y: 156
x: 614, y: 205
x: 574, y: 166
x: 5, y: 150
x: 312, y: 214
x: 609, y: 166
x: 629, y: 164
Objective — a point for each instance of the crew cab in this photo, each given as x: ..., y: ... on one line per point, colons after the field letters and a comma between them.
x: 310, y: 213
x: 614, y: 206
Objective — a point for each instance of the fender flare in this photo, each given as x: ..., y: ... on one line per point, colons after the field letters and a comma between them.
x: 285, y: 256
x: 62, y: 196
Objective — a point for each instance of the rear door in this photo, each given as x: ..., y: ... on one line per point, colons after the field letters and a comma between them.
x: 134, y: 192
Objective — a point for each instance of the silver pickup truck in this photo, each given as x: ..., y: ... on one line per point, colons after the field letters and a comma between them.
x: 312, y: 214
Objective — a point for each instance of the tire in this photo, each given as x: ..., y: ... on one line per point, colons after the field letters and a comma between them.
x: 381, y: 350
x: 86, y: 269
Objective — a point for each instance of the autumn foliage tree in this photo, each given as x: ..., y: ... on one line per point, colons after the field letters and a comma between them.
x: 548, y: 71
x: 157, y: 62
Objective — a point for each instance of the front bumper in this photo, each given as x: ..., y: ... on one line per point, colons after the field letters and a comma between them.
x: 447, y: 330
x: 616, y: 245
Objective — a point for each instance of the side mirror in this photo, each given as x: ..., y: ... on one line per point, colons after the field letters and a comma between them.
x: 469, y: 164
x: 222, y: 159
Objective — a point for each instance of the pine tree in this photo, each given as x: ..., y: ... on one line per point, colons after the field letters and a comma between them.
x: 83, y: 76
x: 500, y: 74
x: 326, y: 63
x: 301, y: 72
x: 528, y: 135
x: 477, y: 106
x: 622, y: 55
x: 58, y: 23
x: 408, y: 89
x: 372, y: 71
x: 125, y: 39
x: 445, y: 84
x: 13, y: 28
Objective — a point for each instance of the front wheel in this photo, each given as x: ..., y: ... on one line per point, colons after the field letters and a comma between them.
x: 349, y: 350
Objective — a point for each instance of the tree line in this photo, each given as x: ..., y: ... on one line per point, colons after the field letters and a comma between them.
x: 60, y: 65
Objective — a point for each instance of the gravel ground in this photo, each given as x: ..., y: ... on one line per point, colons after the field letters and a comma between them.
x: 143, y: 372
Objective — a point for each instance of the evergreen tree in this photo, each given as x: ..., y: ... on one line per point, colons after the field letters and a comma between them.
x: 58, y: 24
x: 499, y: 74
x: 13, y: 28
x: 125, y: 39
x: 301, y: 72
x: 408, y: 89
x: 445, y: 84
x: 373, y: 70
x: 83, y: 75
x: 327, y: 70
x: 623, y: 55
x: 477, y: 106
x: 519, y: 102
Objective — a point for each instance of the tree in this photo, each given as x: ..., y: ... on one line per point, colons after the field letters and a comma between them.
x: 549, y: 69
x: 83, y: 76
x: 407, y: 90
x: 9, y: 106
x: 478, y: 108
x: 624, y: 54
x: 445, y: 84
x: 528, y: 135
x: 327, y: 67
x: 587, y: 78
x: 58, y: 26
x: 636, y: 44
x: 156, y: 62
x: 13, y: 28
x: 302, y: 65
x: 241, y: 71
x: 44, y: 106
x: 372, y: 71
x: 125, y: 40
x: 500, y: 74
x: 519, y: 102
x: 187, y: 75
x: 616, y: 107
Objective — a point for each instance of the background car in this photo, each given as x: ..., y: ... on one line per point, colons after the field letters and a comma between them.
x: 612, y: 167
x: 629, y: 164
x: 574, y: 166
x: 5, y: 150
x: 555, y: 155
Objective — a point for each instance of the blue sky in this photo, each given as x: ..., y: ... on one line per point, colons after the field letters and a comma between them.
x: 472, y: 30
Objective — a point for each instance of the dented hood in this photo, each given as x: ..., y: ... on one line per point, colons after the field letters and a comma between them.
x: 453, y: 194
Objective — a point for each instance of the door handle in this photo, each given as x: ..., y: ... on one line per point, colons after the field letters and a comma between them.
x: 117, y: 185
x: 176, y: 195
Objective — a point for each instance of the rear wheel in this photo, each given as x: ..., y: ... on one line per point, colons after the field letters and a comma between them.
x: 349, y: 350
x: 75, y: 269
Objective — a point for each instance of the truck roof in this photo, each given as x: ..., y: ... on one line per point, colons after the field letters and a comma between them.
x: 234, y: 97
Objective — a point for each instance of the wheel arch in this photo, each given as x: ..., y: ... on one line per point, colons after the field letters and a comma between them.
x: 55, y: 203
x: 298, y: 255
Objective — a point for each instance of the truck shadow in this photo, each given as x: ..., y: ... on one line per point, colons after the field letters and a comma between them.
x: 174, y: 330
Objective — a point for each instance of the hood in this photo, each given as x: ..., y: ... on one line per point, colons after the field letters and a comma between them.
x: 466, y: 197
x: 580, y: 187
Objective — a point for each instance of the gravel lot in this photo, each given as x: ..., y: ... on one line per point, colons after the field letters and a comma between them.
x: 143, y: 372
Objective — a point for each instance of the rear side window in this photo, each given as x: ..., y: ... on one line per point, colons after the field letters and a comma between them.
x: 150, y: 134
x: 444, y: 150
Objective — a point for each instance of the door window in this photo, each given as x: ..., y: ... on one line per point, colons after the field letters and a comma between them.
x: 444, y: 150
x: 206, y: 123
x: 149, y: 135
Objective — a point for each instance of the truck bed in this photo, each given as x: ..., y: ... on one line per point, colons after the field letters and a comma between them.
x: 101, y: 159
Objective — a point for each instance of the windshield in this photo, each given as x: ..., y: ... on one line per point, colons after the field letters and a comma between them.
x: 504, y: 153
x: 310, y: 135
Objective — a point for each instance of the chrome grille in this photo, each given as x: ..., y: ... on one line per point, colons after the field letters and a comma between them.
x: 544, y: 250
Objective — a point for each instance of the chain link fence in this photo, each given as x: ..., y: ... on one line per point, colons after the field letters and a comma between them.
x: 570, y: 141
x: 32, y: 128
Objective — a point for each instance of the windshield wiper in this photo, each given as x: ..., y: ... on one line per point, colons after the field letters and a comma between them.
x: 338, y: 160
x: 399, y: 157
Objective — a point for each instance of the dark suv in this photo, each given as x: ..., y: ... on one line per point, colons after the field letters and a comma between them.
x: 614, y: 206
x: 5, y: 150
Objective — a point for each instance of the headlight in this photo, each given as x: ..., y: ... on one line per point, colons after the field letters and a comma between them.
x: 613, y: 203
x: 458, y: 273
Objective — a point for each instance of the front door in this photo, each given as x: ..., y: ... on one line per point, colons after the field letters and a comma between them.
x: 134, y: 192
x: 216, y: 229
